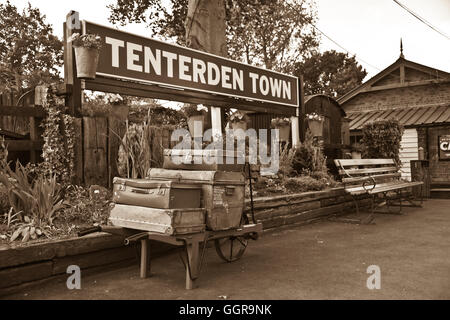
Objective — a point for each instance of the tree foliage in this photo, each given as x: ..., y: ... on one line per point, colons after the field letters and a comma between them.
x: 273, y: 34
x: 269, y: 33
x: 333, y: 73
x: 29, y: 52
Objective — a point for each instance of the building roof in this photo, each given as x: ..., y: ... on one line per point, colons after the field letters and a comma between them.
x: 435, y: 76
x: 329, y: 98
x: 408, y: 117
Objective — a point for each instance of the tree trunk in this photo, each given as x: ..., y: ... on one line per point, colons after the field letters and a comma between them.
x: 205, y: 26
x: 205, y: 30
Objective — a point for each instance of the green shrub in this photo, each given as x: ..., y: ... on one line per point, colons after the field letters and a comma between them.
x: 286, y: 160
x: 85, y: 207
x: 135, y: 156
x: 156, y: 115
x: 308, y: 157
x: 381, y: 139
x: 39, y: 199
x: 33, y: 204
x: 305, y: 183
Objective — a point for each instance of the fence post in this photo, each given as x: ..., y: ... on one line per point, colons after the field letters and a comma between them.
x: 95, y: 147
x: 116, y: 130
x: 73, y: 84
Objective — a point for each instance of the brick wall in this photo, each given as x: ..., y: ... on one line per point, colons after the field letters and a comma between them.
x: 417, y: 96
x: 439, y: 169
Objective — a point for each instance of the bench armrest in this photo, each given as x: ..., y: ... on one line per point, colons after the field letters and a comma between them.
x: 371, y: 180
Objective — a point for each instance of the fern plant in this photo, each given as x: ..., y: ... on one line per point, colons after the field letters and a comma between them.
x: 34, y: 205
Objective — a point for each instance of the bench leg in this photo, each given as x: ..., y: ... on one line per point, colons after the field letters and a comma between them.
x: 388, y: 203
x: 367, y: 220
x: 145, y: 258
x: 411, y: 200
x: 193, y: 264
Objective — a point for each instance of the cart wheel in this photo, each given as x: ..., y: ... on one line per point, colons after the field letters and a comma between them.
x: 230, y: 249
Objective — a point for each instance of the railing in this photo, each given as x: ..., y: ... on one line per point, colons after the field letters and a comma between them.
x: 31, y: 142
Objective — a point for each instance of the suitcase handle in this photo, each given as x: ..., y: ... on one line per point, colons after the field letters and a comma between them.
x: 87, y: 231
x: 156, y: 191
x: 140, y: 191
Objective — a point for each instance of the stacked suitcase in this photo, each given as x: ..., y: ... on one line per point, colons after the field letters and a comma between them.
x: 180, y: 201
x: 158, y: 206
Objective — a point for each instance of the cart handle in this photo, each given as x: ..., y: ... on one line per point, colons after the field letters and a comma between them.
x: 87, y: 231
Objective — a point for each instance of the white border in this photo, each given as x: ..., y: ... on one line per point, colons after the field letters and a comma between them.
x: 196, y: 89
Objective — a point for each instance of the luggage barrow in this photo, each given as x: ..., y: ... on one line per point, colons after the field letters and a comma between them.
x: 230, y: 245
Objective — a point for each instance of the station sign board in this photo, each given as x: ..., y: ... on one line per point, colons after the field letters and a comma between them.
x: 131, y: 57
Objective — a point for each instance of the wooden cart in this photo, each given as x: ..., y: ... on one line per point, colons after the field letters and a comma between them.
x: 230, y: 245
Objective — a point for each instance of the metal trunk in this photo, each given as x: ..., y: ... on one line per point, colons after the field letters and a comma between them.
x: 223, y: 194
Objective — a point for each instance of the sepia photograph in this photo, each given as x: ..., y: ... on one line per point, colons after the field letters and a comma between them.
x: 218, y: 158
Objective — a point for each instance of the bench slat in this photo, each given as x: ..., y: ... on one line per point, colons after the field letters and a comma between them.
x: 384, y: 187
x: 362, y: 162
x: 370, y: 170
x: 393, y: 187
x: 377, y: 177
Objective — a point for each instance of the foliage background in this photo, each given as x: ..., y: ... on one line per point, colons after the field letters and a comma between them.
x: 29, y: 52
x: 381, y: 139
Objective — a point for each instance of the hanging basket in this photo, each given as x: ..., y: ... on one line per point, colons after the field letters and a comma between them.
x: 239, y: 125
x: 86, y: 60
x: 191, y: 124
x: 356, y: 155
x: 284, y: 132
x: 316, y: 127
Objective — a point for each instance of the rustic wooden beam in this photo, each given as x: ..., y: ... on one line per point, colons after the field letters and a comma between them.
x: 405, y: 85
x: 37, y: 112
x: 24, y: 145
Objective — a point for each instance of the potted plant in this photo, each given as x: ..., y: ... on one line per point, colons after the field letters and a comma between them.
x: 315, y: 124
x: 356, y: 149
x: 239, y: 120
x: 284, y: 127
x: 87, y: 48
x: 193, y: 114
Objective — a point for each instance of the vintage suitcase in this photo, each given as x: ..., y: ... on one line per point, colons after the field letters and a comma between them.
x: 202, y: 160
x: 156, y: 194
x: 222, y: 194
x: 167, y: 221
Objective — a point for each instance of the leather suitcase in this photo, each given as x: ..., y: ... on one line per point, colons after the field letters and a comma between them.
x: 202, y: 160
x: 223, y: 194
x: 165, y: 221
x: 156, y: 194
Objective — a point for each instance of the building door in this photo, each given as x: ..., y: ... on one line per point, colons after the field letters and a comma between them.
x: 409, y: 150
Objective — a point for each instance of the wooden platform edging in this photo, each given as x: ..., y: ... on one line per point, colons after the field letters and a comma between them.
x: 304, y: 207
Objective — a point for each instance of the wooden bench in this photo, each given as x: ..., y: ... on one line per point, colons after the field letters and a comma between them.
x: 376, y: 179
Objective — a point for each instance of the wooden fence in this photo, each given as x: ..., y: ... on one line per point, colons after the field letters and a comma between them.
x: 97, y: 139
x: 98, y: 142
x: 19, y: 124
